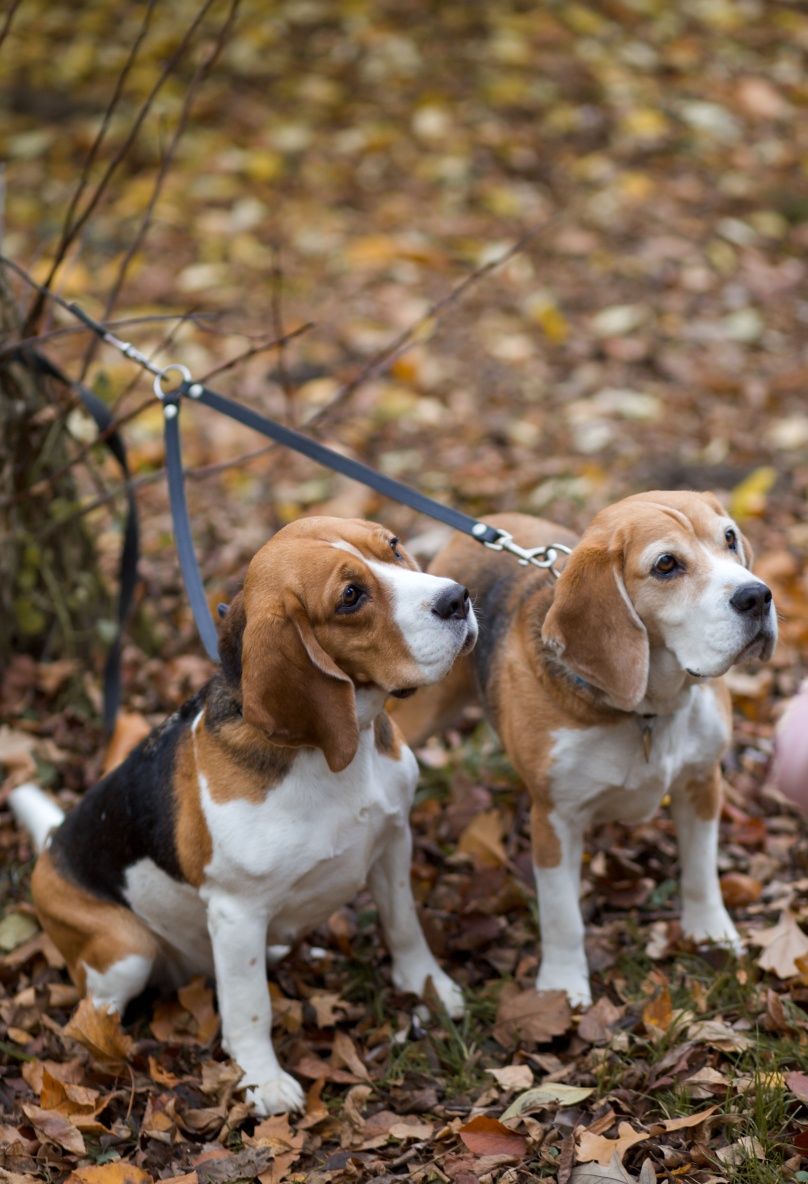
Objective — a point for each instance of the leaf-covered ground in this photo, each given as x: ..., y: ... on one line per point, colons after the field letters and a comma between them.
x: 349, y: 164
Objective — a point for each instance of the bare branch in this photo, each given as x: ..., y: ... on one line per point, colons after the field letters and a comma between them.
x: 12, y: 12
x: 200, y: 74
x: 36, y: 310
x: 277, y: 343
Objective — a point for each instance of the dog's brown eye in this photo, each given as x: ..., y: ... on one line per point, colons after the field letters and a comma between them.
x: 394, y: 548
x: 732, y: 538
x: 352, y: 597
x: 666, y: 565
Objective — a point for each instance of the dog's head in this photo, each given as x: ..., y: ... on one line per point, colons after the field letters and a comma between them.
x: 331, y: 605
x: 663, y: 570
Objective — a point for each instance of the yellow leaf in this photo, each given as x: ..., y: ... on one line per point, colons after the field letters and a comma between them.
x: 748, y: 500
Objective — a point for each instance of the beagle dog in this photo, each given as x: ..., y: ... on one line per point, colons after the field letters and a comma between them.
x: 268, y: 800
x: 606, y: 691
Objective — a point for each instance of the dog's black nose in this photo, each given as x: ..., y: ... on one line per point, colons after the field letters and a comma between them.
x: 452, y: 604
x: 751, y: 599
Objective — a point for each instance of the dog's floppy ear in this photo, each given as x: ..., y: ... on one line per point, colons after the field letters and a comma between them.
x: 593, y: 627
x: 231, y: 635
x: 293, y: 690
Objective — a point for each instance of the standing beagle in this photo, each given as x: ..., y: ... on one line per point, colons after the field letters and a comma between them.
x: 606, y: 691
x: 268, y: 799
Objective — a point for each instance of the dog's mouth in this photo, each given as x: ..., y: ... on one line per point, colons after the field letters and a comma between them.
x: 761, y: 647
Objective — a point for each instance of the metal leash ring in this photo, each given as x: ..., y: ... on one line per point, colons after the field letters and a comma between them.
x: 183, y: 371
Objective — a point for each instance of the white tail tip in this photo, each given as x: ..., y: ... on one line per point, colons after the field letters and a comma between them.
x: 35, y: 812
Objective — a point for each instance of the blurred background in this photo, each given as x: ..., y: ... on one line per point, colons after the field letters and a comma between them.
x: 349, y: 164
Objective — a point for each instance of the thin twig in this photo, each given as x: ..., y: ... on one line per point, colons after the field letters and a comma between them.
x: 262, y: 347
x: 12, y: 12
x: 196, y: 318
x: 382, y: 360
x: 36, y: 310
x: 277, y: 327
x: 200, y: 74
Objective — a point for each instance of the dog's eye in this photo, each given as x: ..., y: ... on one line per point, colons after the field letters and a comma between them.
x: 732, y: 538
x: 394, y: 548
x: 665, y: 565
x: 352, y: 597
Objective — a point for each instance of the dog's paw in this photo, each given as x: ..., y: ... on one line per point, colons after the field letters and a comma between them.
x: 415, y: 979
x: 449, y: 994
x: 712, y: 927
x: 575, y: 983
x: 280, y: 1094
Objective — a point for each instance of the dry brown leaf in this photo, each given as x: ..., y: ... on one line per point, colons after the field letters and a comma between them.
x: 344, y: 1053
x: 513, y: 1076
x: 130, y: 729
x: 798, y: 1084
x: 657, y: 1014
x: 55, y: 1128
x: 482, y: 840
x: 595, y: 1025
x: 600, y: 1149
x: 488, y: 1136
x: 101, y: 1033
x: 782, y: 945
x: 738, y: 889
x: 531, y: 1015
x: 679, y: 1124
x: 109, y: 1173
x: 197, y: 999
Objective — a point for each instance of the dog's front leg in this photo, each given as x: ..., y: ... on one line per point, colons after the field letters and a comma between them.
x: 413, y: 961
x: 238, y: 931
x: 696, y: 807
x: 557, y: 849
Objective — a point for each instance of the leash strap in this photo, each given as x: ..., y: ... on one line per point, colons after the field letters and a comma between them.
x: 182, y: 527
x: 130, y: 549
x: 386, y: 486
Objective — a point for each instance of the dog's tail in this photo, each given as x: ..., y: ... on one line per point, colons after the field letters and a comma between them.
x: 35, y: 812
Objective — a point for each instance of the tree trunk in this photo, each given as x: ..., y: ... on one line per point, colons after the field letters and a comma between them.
x: 52, y: 597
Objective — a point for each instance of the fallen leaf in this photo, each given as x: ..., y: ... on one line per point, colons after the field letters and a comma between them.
x: 782, y: 944
x: 600, y: 1149
x: 488, y: 1136
x: 344, y: 1052
x: 16, y: 755
x: 130, y: 729
x: 657, y: 1015
x: 549, y: 1093
x: 591, y: 1173
x: 101, y: 1033
x: 55, y: 1128
x: 109, y: 1173
x: 15, y: 928
x: 798, y: 1084
x: 482, y: 840
x: 679, y: 1124
x: 719, y: 1035
x: 197, y: 999
x: 738, y: 889
x: 513, y: 1076
x: 744, y: 1148
x: 596, y: 1024
x: 531, y: 1015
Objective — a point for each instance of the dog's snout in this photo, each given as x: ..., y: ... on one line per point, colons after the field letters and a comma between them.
x: 452, y: 603
x: 751, y: 599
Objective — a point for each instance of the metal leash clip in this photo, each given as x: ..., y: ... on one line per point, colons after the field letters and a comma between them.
x: 543, y: 557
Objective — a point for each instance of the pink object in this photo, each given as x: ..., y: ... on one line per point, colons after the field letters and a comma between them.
x: 791, y: 750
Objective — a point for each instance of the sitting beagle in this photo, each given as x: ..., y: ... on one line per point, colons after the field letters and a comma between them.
x: 606, y: 691
x: 268, y: 799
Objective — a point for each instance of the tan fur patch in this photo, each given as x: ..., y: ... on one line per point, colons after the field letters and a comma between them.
x: 705, y: 795
x: 544, y: 841
x: 86, y: 930
x: 387, y: 736
x: 238, y: 762
x: 191, y: 835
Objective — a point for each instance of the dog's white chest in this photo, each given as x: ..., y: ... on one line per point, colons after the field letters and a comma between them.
x: 308, y: 847
x: 614, y: 772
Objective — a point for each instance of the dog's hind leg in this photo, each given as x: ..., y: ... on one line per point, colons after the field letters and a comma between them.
x: 109, y: 951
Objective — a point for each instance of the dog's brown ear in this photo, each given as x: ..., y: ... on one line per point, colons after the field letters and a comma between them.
x: 593, y: 627
x: 294, y: 691
x: 231, y: 636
